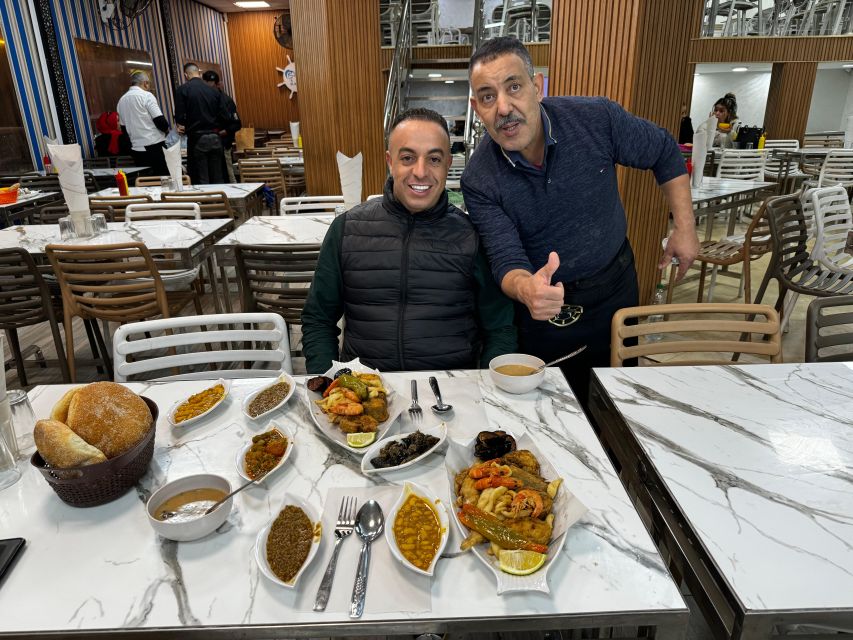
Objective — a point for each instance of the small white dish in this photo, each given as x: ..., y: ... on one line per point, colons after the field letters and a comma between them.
x: 410, y: 488
x: 284, y: 377
x: 241, y: 455
x: 184, y: 531
x: 439, y: 431
x: 171, y: 415
x: 516, y: 384
x: 261, y: 542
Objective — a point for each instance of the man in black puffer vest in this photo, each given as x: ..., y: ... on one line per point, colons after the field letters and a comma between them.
x: 407, y: 272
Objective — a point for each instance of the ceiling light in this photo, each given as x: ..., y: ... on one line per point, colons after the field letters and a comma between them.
x: 141, y: 63
x: 433, y: 75
x: 740, y: 69
x: 252, y: 4
x: 449, y: 81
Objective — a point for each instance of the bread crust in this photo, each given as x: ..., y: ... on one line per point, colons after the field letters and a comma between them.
x: 109, y: 416
x: 60, y: 409
x: 60, y: 447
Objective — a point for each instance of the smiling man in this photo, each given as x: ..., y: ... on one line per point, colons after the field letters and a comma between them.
x: 542, y: 191
x: 406, y: 271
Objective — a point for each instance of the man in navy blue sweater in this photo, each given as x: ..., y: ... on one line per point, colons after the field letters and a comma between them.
x: 541, y: 190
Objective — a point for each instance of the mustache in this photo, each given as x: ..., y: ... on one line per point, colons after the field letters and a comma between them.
x: 509, y: 119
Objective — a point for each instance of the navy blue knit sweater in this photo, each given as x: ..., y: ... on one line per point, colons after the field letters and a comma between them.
x: 571, y: 205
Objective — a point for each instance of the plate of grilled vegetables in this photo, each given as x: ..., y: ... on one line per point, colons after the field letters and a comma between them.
x: 353, y: 405
x: 511, y: 507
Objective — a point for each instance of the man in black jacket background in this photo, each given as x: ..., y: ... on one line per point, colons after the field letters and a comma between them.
x: 212, y: 79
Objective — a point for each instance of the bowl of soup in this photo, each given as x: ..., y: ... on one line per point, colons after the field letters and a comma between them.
x: 177, y: 509
x: 516, y: 372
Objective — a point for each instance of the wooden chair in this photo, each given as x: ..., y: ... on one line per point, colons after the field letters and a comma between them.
x: 50, y: 182
x: 266, y: 170
x: 156, y: 181
x: 683, y: 334
x: 212, y: 204
x: 294, y: 180
x: 276, y: 278
x: 283, y: 151
x: 258, y: 152
x: 116, y: 204
x: 310, y: 205
x: 829, y: 329
x: 25, y: 300
x: 113, y: 283
x: 138, y: 351
x: 50, y: 214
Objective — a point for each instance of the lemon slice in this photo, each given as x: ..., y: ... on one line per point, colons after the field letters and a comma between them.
x: 520, y: 563
x: 360, y: 440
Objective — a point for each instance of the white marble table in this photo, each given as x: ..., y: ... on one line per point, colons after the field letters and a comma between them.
x: 722, y: 194
x: 291, y: 161
x: 749, y: 473
x: 288, y: 229
x: 103, y: 568
x: 236, y: 192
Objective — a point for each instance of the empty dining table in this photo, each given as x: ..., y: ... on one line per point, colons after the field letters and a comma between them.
x: 243, y: 196
x: 714, y: 195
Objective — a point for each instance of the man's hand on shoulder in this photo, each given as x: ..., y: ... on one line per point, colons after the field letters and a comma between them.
x: 535, y: 291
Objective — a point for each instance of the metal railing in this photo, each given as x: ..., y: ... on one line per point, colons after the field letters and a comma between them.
x: 399, y: 74
x: 739, y: 18
x: 473, y: 128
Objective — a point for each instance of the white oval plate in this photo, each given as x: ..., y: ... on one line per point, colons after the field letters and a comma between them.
x: 408, y: 489
x: 439, y: 431
x: 397, y: 403
x: 261, y: 542
x: 241, y: 455
x: 186, y: 423
x: 284, y: 377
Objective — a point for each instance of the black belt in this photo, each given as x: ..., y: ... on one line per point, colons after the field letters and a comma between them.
x: 623, y: 258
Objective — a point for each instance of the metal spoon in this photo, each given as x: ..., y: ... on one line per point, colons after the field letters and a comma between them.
x: 368, y: 526
x: 560, y: 359
x: 439, y: 406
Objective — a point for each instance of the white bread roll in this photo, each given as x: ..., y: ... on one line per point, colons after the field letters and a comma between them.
x: 60, y: 447
x: 109, y: 416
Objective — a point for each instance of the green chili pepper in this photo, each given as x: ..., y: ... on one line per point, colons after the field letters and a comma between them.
x: 353, y: 384
x: 496, y: 531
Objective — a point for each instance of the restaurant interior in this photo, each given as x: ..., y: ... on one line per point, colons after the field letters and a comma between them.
x: 153, y: 343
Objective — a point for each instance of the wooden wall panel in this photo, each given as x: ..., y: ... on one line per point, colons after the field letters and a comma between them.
x: 789, y: 99
x: 812, y: 49
x: 255, y: 54
x: 341, y: 93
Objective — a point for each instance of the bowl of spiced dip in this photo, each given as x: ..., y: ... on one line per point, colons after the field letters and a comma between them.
x: 516, y: 372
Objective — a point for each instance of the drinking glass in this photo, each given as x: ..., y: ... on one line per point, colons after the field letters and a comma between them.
x: 23, y: 420
x: 339, y: 209
x: 66, y: 228
x: 9, y: 472
x: 99, y: 223
x: 167, y: 184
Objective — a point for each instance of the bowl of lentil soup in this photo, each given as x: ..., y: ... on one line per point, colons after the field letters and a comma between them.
x: 289, y: 542
x: 260, y: 456
x: 417, y: 530
x: 200, y: 404
x: 269, y: 397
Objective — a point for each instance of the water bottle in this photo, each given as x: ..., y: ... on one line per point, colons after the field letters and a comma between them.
x: 659, y: 297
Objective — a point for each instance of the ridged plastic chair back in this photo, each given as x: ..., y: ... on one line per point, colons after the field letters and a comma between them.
x: 201, y: 347
x: 829, y: 329
x: 310, y: 204
x: 266, y: 170
x: 156, y: 181
x: 742, y: 164
x: 790, y: 237
x: 163, y: 211
x: 96, y: 163
x: 212, y: 204
x: 259, y: 152
x: 773, y: 164
x: 837, y: 169
x: 117, y: 204
x: 36, y: 181
x: 805, y: 195
x: 24, y: 296
x: 832, y: 222
x: 276, y: 278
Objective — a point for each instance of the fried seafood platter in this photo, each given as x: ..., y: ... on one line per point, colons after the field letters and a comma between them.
x: 352, y: 399
x: 512, y: 511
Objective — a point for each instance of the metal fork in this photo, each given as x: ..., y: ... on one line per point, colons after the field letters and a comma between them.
x: 343, y: 528
x: 415, y: 410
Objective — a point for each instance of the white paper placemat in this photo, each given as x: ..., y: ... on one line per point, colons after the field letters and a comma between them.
x: 390, y: 586
x: 469, y: 414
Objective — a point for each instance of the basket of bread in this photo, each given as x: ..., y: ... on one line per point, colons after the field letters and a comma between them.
x: 97, y: 443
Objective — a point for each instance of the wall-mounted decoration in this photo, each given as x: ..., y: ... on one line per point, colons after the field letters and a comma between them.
x: 282, y: 31
x: 288, y: 76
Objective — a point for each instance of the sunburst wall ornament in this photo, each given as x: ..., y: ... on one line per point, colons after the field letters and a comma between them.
x: 288, y: 76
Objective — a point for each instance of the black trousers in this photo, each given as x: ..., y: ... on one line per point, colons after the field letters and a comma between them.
x: 205, y: 161
x: 601, y: 295
x: 152, y: 158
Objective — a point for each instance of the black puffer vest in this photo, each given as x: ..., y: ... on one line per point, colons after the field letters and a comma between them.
x: 409, y: 287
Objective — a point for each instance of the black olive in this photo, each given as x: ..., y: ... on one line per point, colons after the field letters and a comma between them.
x: 341, y: 372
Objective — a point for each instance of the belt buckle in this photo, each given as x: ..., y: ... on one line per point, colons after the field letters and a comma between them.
x: 569, y: 314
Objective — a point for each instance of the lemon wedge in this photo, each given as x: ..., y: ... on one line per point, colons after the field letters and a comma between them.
x: 520, y: 563
x: 360, y: 440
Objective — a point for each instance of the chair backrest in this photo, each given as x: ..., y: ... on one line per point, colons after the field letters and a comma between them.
x: 219, y: 339
x: 116, y: 203
x: 96, y: 163
x: 773, y: 164
x: 162, y: 211
x: 805, y: 195
x: 757, y: 240
x: 117, y: 282
x: 698, y: 328
x: 829, y: 329
x: 156, y: 181
x: 837, y: 169
x: 742, y: 164
x: 282, y: 151
x: 50, y: 182
x: 832, y: 222
x: 276, y: 278
x: 213, y: 204
x: 310, y: 204
x: 124, y: 161
x: 258, y: 152
x: 49, y: 214
x: 266, y: 170
x: 24, y: 297
x: 790, y: 236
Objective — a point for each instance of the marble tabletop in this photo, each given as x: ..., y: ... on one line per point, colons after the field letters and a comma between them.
x: 759, y: 460
x: 289, y: 229
x: 103, y: 568
x: 157, y: 235
x: 291, y: 161
x: 716, y: 188
x: 30, y: 197
x: 235, y: 191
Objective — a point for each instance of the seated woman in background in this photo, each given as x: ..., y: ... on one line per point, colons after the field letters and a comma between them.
x: 111, y: 141
x: 725, y: 110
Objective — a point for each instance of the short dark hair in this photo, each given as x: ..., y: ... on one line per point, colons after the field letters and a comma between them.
x: 497, y: 47
x: 191, y: 67
x: 210, y: 76
x: 419, y: 113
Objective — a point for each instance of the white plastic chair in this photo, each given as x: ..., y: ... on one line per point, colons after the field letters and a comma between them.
x: 158, y: 353
x: 774, y: 167
x: 310, y: 204
x: 742, y: 164
x: 832, y: 222
x: 837, y: 169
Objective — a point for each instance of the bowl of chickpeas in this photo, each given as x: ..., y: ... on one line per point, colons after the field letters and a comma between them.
x: 417, y: 529
x: 199, y: 405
